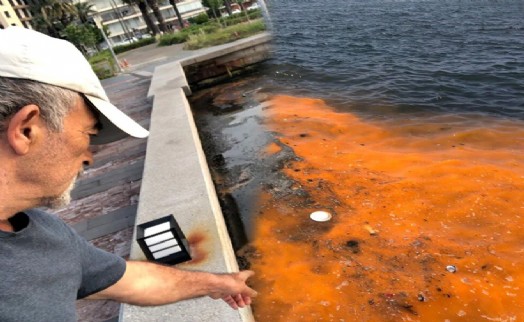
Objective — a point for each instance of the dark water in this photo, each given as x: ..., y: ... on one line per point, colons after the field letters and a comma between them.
x: 452, y: 56
x: 378, y: 58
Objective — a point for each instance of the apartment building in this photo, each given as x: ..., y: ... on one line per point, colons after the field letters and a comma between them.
x: 14, y: 13
x: 124, y: 21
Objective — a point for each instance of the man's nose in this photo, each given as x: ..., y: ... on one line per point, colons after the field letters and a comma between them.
x: 88, y: 160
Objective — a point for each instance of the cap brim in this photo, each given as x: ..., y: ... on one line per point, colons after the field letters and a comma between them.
x: 115, y: 124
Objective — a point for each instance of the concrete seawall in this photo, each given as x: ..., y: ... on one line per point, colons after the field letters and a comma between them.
x: 176, y: 178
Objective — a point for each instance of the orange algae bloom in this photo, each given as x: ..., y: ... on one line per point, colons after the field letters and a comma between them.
x: 409, y: 198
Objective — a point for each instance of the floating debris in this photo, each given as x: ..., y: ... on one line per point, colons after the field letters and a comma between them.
x: 320, y: 216
x: 354, y: 246
x: 421, y: 298
x: 370, y: 230
x: 451, y: 268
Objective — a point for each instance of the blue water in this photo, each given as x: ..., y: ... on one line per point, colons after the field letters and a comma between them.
x: 452, y: 56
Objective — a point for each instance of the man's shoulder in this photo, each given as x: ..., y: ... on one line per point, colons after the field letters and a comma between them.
x: 37, y: 213
x: 45, y: 218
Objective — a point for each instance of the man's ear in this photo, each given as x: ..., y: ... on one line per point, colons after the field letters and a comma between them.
x: 24, y: 128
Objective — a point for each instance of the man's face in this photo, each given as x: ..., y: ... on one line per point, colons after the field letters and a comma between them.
x: 60, y: 157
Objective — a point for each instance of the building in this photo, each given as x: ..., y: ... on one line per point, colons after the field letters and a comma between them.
x: 124, y: 22
x: 236, y: 8
x: 14, y: 13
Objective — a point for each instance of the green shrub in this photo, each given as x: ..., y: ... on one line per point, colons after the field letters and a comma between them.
x: 225, y: 35
x: 210, y: 27
x: 247, y: 28
x: 200, y: 19
x: 136, y: 44
x: 212, y: 33
x: 174, y: 38
x: 100, y: 56
x: 103, y: 64
x: 102, y: 72
x: 254, y: 14
x: 241, y: 17
x: 183, y: 35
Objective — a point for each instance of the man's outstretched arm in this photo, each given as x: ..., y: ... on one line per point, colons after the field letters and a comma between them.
x: 149, y: 284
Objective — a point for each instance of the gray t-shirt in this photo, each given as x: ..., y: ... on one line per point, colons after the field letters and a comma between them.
x: 45, y: 266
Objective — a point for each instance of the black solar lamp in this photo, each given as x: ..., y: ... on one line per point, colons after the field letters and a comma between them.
x: 163, y: 241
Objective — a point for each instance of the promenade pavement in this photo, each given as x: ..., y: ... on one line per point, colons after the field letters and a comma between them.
x: 146, y: 58
x: 143, y: 61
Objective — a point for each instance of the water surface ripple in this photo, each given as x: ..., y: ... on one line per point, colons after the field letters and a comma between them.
x: 453, y: 56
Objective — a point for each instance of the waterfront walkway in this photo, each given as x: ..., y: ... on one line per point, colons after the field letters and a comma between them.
x: 144, y: 60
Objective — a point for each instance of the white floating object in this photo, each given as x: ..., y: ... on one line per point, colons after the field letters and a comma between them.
x: 320, y: 216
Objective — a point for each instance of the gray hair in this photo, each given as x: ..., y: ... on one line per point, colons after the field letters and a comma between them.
x: 54, y: 102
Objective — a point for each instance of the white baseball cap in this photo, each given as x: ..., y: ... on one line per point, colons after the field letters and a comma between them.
x: 29, y: 54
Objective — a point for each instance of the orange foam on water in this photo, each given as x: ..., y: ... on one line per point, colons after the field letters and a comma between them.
x: 409, y: 197
x: 273, y: 148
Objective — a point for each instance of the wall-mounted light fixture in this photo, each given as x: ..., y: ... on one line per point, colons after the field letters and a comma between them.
x: 163, y: 241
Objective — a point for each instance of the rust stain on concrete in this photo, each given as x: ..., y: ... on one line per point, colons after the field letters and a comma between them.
x: 197, y: 240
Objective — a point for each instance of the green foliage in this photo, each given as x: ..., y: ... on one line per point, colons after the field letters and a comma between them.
x: 101, y: 56
x: 200, y: 19
x: 174, y: 38
x: 52, y: 16
x: 81, y: 36
x: 137, y: 44
x: 103, y: 64
x: 183, y: 35
x: 211, y: 27
x: 241, y: 17
x: 213, y: 6
x: 206, y: 28
x: 222, y: 36
x: 84, y: 10
x: 102, y: 72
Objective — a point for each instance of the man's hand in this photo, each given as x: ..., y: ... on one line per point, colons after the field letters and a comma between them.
x: 235, y: 293
x: 150, y: 284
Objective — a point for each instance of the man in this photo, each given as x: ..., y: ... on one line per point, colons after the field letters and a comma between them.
x: 52, y: 107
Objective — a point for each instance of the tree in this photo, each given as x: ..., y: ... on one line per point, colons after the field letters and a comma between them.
x: 227, y: 3
x: 82, y: 36
x: 83, y: 11
x: 142, y: 6
x: 52, y: 16
x: 153, y: 4
x: 179, y: 17
x: 214, y: 6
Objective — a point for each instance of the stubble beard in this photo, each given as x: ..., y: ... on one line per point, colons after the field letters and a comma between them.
x: 61, y: 200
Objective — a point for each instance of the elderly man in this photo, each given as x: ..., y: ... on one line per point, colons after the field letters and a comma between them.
x: 52, y: 107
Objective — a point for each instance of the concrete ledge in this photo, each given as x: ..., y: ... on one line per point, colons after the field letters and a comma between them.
x: 211, y: 62
x: 168, y: 76
x: 176, y: 180
x: 222, y: 50
x: 221, y: 62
